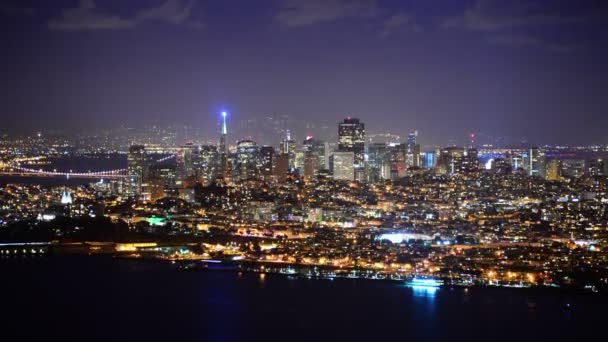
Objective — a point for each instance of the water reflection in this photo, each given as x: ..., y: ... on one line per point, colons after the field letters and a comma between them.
x: 424, y: 291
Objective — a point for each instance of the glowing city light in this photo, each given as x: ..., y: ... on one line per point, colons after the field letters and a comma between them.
x: 425, y: 282
x: 401, y: 237
x: 488, y: 165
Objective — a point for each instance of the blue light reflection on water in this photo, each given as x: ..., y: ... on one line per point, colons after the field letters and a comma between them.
x: 422, y: 299
x: 424, y: 291
x: 223, y: 306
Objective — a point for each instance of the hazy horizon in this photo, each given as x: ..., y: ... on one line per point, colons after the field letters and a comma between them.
x: 529, y: 70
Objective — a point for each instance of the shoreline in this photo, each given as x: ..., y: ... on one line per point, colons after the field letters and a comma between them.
x: 300, y: 271
x: 246, y: 267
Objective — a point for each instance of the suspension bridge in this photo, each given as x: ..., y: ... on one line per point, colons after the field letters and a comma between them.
x: 20, y: 171
x: 14, y: 170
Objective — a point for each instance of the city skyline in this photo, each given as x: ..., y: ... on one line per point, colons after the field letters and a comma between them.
x: 531, y: 72
x: 306, y: 170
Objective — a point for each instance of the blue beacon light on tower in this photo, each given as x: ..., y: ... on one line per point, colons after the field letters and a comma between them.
x: 224, y: 129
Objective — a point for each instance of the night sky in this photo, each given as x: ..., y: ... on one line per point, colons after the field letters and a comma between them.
x: 534, y: 70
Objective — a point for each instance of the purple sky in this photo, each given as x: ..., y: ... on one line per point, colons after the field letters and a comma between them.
x: 525, y: 69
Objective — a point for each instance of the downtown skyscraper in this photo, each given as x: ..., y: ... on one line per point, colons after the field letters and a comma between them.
x: 223, y: 168
x: 351, y: 138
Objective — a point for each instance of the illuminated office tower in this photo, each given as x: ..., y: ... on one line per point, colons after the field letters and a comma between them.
x: 553, y: 170
x: 188, y: 161
x: 412, y: 150
x: 501, y: 166
x: 208, y: 158
x: 470, y: 162
x: 374, y: 162
x: 299, y: 163
x: 378, y: 162
x: 246, y: 160
x: 307, y: 144
x: 267, y: 162
x: 223, y: 167
x: 311, y: 165
x: 343, y: 165
x: 411, y: 138
x: 137, y: 171
x: 573, y: 168
x: 516, y: 161
x: 156, y: 188
x: 412, y: 155
x: 351, y: 138
x: 452, y: 159
x: 596, y: 167
x: 320, y: 149
x: 430, y: 159
x: 536, y: 162
x: 288, y: 147
x: 163, y: 180
x: 398, y: 160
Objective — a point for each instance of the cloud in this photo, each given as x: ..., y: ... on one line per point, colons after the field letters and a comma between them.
x: 172, y: 11
x: 493, y: 15
x: 396, y: 21
x: 527, y: 22
x: 296, y: 13
x: 87, y: 16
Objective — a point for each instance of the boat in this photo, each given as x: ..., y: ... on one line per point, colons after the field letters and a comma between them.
x: 424, y: 281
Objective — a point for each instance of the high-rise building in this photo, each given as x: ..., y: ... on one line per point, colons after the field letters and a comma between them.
x: 156, y: 188
x: 163, y: 178
x: 351, y: 138
x: 516, y: 161
x: 553, y: 170
x: 311, y: 165
x: 535, y: 162
x: 188, y: 161
x: 412, y: 155
x: 398, y: 160
x: 223, y: 147
x: 574, y: 168
x: 299, y: 163
x: 501, y: 166
x: 343, y: 165
x: 452, y: 159
x: 430, y: 159
x: 458, y: 160
x: 597, y: 167
x: 378, y: 162
x: 208, y: 159
x: 223, y: 167
x: 246, y: 160
x: 320, y: 149
x: 470, y: 161
x: 267, y: 161
x: 288, y: 147
x: 281, y: 167
x: 137, y: 171
x: 411, y: 138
